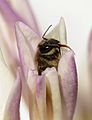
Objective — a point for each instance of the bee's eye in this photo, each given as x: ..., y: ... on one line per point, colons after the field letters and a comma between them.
x: 45, y: 49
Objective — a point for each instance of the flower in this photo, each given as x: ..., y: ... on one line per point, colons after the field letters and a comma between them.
x: 51, y: 96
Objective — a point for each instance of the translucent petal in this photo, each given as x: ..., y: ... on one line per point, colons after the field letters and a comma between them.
x: 32, y: 39
x: 68, y: 76
x: 24, y: 37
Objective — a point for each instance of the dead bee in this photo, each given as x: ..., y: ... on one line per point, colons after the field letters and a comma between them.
x: 48, y: 53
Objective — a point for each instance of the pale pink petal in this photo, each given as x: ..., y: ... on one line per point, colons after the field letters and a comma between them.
x: 68, y: 76
x: 24, y: 36
x: 13, y: 103
x: 32, y: 39
x: 8, y: 50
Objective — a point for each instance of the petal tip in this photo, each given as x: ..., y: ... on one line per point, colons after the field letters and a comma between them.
x: 62, y: 21
x: 63, y: 34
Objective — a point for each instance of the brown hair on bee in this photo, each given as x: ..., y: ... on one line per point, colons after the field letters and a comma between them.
x: 48, y: 53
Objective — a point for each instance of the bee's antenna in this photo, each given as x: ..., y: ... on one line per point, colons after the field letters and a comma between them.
x: 63, y: 45
x: 46, y: 32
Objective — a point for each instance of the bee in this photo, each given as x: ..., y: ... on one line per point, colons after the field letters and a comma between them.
x: 48, y: 53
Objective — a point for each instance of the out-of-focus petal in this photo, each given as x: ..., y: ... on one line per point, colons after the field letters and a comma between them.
x: 24, y: 37
x: 6, y: 81
x: 55, y: 97
x: 5, y: 45
x: 13, y: 103
x: 59, y: 32
x: 68, y: 76
x: 90, y: 54
x: 28, y: 13
x: 10, y: 13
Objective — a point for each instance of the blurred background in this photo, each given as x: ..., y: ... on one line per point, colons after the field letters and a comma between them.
x: 78, y: 19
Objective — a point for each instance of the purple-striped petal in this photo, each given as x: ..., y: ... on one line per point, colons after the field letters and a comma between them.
x: 13, y: 103
x: 68, y: 76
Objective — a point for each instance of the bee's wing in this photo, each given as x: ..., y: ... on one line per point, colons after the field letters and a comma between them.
x: 59, y: 32
x: 27, y: 42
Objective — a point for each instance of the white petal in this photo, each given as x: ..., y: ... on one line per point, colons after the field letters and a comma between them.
x: 59, y: 32
x: 53, y: 87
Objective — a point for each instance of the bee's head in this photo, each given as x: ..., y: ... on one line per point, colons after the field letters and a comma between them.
x: 47, y: 45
